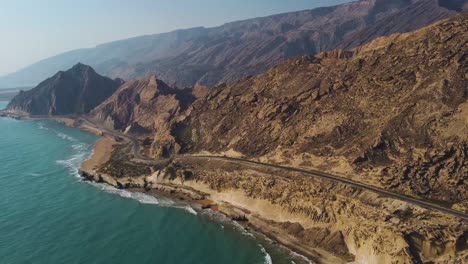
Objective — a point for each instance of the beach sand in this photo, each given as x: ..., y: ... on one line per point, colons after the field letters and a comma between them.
x: 101, y: 154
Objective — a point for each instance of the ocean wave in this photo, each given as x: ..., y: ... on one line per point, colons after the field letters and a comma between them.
x: 79, y: 147
x: 143, y: 198
x: 242, y: 229
x: 41, y: 126
x: 73, y: 163
x: 189, y: 209
x: 66, y: 137
x: 268, y: 259
x: 302, y: 257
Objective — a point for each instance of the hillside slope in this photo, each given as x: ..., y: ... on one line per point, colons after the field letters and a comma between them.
x: 229, y: 52
x: 391, y: 113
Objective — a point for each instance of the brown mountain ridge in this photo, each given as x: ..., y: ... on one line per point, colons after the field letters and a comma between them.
x: 392, y: 111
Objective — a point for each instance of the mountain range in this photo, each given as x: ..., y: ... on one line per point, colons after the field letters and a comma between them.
x: 385, y: 112
x: 208, y: 56
x: 390, y: 111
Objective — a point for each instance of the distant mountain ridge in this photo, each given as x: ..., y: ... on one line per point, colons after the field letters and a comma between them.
x: 75, y: 91
x: 234, y: 50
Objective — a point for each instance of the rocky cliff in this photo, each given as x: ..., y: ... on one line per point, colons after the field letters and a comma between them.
x: 75, y: 91
x: 235, y: 50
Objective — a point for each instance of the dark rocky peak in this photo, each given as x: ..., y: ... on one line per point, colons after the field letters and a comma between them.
x: 82, y: 69
x: 75, y: 91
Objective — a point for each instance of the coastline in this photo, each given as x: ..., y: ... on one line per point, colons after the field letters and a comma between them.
x: 101, y: 153
x: 268, y: 218
x: 200, y: 201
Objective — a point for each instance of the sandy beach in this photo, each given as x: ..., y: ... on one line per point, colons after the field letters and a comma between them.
x: 101, y: 154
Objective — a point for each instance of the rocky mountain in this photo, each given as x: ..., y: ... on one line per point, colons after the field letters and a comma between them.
x: 147, y: 107
x: 391, y: 113
x: 229, y: 52
x: 75, y: 91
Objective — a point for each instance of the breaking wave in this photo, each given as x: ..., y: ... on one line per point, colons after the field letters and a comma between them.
x: 242, y: 229
x: 302, y: 257
x: 66, y: 137
x: 268, y: 259
x: 80, y: 152
x: 42, y: 127
x: 143, y: 198
x: 73, y: 163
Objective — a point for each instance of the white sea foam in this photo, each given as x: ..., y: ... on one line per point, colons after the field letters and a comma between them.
x: 268, y: 259
x: 143, y: 198
x: 189, y: 209
x: 66, y: 137
x: 79, y: 147
x: 73, y: 163
x: 42, y: 127
x: 299, y: 256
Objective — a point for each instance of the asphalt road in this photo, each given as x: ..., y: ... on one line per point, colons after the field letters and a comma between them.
x: 348, y: 182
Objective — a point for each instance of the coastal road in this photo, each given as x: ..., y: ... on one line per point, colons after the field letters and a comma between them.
x: 313, y: 173
x: 338, y: 179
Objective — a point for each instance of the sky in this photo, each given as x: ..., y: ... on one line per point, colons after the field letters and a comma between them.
x: 32, y: 30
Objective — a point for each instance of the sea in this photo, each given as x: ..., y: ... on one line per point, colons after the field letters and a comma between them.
x: 48, y: 215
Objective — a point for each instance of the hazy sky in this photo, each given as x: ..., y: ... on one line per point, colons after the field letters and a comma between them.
x: 31, y: 30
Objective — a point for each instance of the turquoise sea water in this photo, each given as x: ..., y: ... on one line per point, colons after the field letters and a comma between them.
x: 47, y: 215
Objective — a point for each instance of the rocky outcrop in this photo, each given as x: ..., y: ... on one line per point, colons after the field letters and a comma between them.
x: 147, y: 108
x: 75, y: 91
x: 235, y: 50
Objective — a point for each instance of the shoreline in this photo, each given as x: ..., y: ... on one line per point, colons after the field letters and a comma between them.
x: 225, y: 213
x: 202, y: 202
x: 223, y: 216
x: 101, y: 153
x: 274, y: 225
